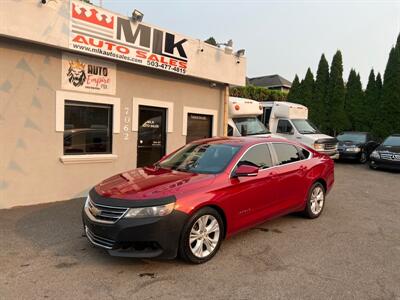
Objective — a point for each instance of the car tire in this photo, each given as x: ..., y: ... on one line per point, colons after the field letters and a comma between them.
x: 371, y: 166
x: 363, y: 158
x: 201, y: 236
x: 315, y: 201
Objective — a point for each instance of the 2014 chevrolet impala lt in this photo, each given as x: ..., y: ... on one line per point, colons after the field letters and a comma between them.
x: 204, y: 192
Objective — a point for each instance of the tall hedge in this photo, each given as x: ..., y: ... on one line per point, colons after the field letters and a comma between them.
x: 257, y: 93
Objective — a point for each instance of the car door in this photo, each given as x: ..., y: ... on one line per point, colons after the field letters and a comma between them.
x: 285, y: 129
x: 250, y: 196
x: 291, y: 168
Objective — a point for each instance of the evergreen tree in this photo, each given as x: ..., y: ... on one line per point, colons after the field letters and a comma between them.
x: 354, y: 101
x: 317, y: 109
x: 388, y: 118
x: 294, y: 90
x: 370, y: 102
x: 211, y: 41
x: 307, y: 88
x: 336, y: 94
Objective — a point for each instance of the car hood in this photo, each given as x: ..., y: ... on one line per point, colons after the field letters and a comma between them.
x: 151, y: 183
x: 310, y: 139
x: 392, y: 149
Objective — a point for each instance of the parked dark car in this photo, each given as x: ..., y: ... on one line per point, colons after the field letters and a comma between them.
x: 356, y: 145
x: 387, y: 155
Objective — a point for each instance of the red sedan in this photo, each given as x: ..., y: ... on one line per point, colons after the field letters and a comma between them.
x: 205, y: 192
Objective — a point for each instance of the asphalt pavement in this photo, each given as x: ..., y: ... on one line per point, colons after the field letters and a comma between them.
x: 351, y: 252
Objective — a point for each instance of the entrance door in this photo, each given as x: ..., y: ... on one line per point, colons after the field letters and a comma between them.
x: 198, y: 127
x: 151, y: 135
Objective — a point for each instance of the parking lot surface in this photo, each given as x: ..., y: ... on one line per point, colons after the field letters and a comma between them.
x: 351, y: 252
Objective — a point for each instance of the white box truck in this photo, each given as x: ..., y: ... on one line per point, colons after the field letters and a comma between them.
x: 243, y: 118
x: 289, y: 120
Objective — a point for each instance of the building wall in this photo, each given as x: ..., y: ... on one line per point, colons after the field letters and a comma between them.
x: 30, y: 149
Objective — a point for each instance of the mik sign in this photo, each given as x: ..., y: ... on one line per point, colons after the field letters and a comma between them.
x: 100, y: 32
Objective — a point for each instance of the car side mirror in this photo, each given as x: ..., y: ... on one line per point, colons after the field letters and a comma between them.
x: 291, y: 132
x: 246, y: 171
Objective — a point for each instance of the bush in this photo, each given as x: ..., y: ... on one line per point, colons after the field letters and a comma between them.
x: 257, y: 93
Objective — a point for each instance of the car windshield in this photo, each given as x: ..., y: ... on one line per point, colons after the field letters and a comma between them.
x: 250, y: 126
x: 201, y: 158
x: 392, y: 141
x: 354, y: 137
x: 304, y: 126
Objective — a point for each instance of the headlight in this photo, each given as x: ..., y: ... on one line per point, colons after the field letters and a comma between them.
x: 375, y: 154
x: 318, y: 146
x: 353, y: 149
x: 153, y: 211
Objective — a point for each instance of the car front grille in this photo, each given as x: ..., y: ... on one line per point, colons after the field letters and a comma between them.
x: 390, y: 156
x: 331, y: 146
x: 98, y: 240
x: 104, y: 213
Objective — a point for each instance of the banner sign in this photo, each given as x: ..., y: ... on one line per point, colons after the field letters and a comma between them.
x: 81, y: 73
x: 97, y: 31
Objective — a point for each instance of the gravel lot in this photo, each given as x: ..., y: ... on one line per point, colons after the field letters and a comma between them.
x: 351, y: 252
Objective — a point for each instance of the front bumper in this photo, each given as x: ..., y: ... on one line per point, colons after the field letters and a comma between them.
x: 385, y: 164
x: 349, y: 155
x: 331, y: 154
x: 141, y: 237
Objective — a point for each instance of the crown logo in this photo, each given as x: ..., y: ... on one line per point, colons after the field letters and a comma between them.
x: 92, y: 16
x: 76, y: 64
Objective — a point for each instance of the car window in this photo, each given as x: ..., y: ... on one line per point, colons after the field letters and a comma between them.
x: 284, y: 126
x: 230, y: 130
x: 306, y: 154
x: 258, y: 156
x: 201, y: 158
x: 286, y: 153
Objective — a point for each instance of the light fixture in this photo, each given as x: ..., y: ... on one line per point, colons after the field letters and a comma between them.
x: 137, y: 16
x: 239, y: 53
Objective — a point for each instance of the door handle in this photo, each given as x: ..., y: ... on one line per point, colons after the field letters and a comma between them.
x: 272, y: 175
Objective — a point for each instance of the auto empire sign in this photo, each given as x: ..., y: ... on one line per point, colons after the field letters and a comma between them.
x: 100, y: 32
x: 86, y: 74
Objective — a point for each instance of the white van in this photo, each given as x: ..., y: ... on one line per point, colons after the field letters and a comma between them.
x: 289, y: 120
x: 243, y: 118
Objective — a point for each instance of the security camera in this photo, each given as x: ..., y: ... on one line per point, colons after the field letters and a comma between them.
x: 44, y: 1
x: 201, y: 50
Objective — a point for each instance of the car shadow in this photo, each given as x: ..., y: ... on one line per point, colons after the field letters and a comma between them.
x: 57, y: 228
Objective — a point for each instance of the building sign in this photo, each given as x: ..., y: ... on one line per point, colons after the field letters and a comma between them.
x: 100, y: 32
x: 85, y: 74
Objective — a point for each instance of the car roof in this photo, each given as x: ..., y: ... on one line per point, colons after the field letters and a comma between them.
x: 395, y: 134
x: 241, y: 141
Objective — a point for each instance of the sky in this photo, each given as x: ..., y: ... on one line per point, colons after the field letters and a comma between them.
x: 283, y: 37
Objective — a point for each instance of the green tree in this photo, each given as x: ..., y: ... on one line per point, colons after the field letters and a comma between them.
x: 371, y: 104
x: 307, y: 89
x: 388, y: 120
x: 294, y: 90
x: 317, y: 109
x: 211, y: 41
x: 336, y: 96
x: 354, y: 101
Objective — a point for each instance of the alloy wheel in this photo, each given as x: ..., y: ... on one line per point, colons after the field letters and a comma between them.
x: 317, y: 200
x: 204, y: 236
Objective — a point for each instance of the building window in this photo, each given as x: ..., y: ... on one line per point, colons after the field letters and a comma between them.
x: 87, y: 128
x: 198, y: 127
